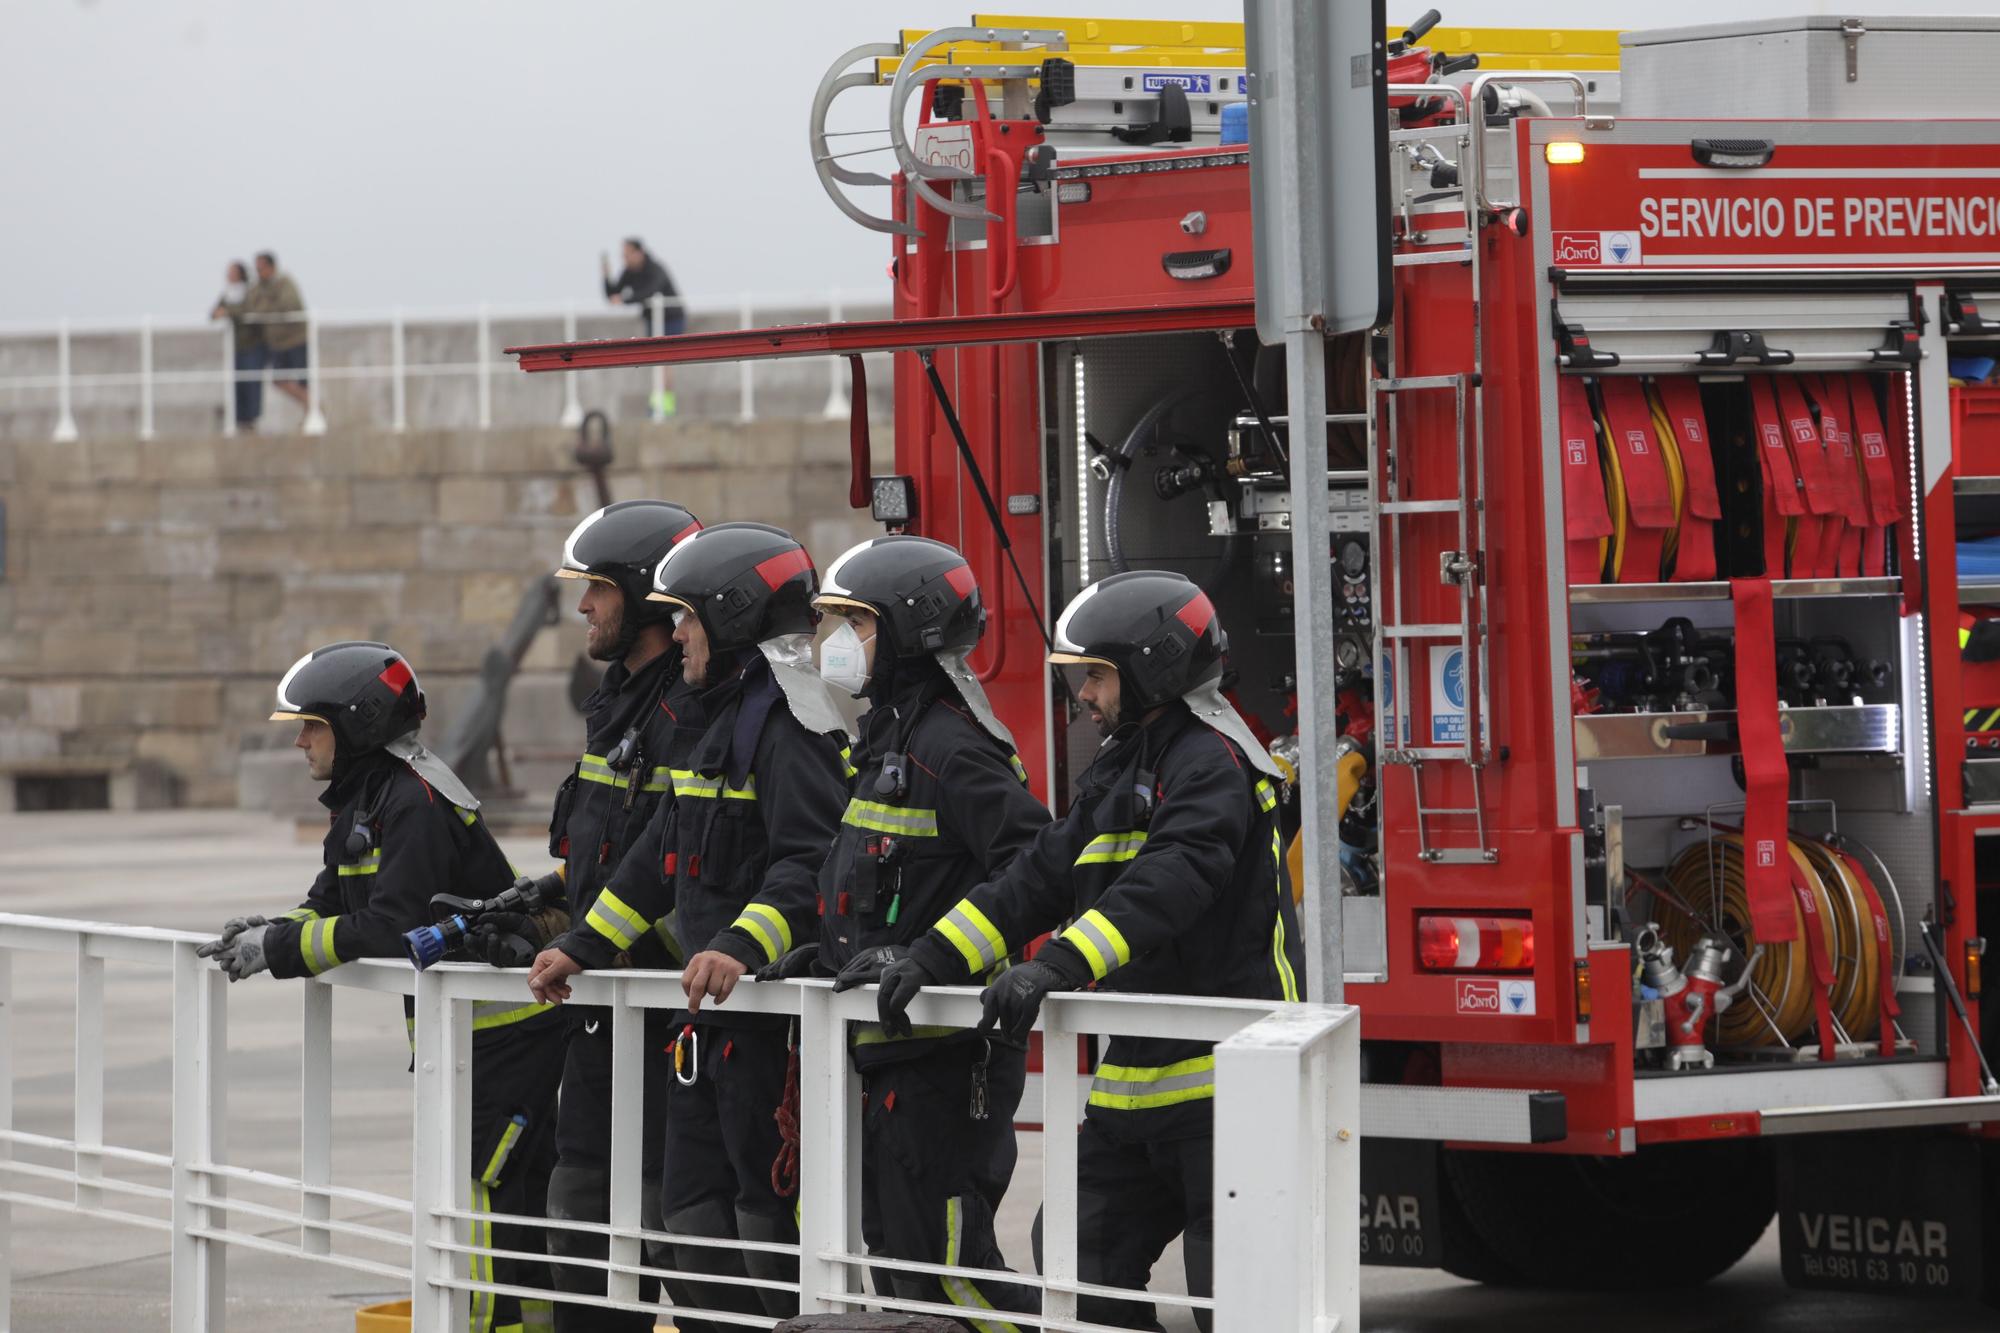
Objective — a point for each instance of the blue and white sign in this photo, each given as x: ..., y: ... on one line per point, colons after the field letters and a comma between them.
x: 1193, y: 83
x: 1447, y: 696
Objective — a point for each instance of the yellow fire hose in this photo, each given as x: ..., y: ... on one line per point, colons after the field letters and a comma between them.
x: 1707, y: 882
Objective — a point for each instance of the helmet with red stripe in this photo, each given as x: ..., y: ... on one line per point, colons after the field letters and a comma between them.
x: 922, y: 592
x: 748, y: 582
x: 1158, y: 629
x: 365, y: 691
x: 621, y: 544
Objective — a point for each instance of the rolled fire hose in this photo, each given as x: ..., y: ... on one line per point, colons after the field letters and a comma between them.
x: 1710, y: 877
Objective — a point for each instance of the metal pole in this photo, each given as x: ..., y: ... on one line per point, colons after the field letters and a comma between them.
x: 572, y: 413
x: 485, y: 369
x: 229, y: 378
x: 316, y: 1114
x: 6, y: 1128
x: 837, y: 404
x: 1299, y: 227
x: 146, y: 377
x: 746, y: 386
x: 626, y: 1151
x: 399, y: 417
x: 823, y: 1161
x: 87, y: 1114
x: 315, y: 422
x: 65, y: 422
x: 656, y: 320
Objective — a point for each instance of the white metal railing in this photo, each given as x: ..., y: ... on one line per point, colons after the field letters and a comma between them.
x: 38, y: 370
x: 1287, y: 1142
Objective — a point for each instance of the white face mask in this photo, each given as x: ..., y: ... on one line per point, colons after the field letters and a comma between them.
x: 843, y: 660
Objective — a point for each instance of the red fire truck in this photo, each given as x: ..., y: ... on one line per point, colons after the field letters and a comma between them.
x: 1668, y: 712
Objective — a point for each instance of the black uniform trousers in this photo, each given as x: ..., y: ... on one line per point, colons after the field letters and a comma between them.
x: 581, y: 1188
x: 515, y: 1070
x: 722, y: 1140
x: 1134, y: 1194
x: 932, y: 1176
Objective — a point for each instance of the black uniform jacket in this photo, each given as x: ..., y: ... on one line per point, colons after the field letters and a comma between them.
x: 1169, y: 870
x: 640, y: 725
x: 363, y: 901
x: 939, y: 805
x: 735, y: 854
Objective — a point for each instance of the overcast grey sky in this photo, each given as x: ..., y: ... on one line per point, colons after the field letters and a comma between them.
x: 430, y: 153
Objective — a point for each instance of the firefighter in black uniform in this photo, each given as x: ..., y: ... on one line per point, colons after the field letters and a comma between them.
x: 941, y: 801
x: 639, y: 722
x: 1170, y: 874
x: 737, y: 854
x: 404, y: 828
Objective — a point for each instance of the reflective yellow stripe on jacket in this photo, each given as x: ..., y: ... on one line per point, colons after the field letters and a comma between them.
x: 699, y: 786
x: 902, y: 820
x: 1102, y: 944
x: 1106, y: 847
x: 1146, y: 1087
x: 610, y: 917
x: 367, y: 865
x: 596, y: 768
x: 316, y: 943
x: 976, y: 938
x: 767, y: 925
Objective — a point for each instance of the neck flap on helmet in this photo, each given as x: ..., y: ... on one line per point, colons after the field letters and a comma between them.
x: 961, y: 674
x: 806, y: 694
x: 1205, y: 701
x: 433, y: 770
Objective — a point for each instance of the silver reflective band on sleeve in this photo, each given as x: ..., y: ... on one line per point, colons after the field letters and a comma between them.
x: 977, y: 939
x: 1147, y: 1087
x: 908, y: 821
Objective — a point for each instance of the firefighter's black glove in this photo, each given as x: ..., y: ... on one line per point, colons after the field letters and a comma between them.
x: 800, y: 962
x: 900, y: 981
x: 1012, y: 1002
x: 503, y: 939
x: 866, y: 968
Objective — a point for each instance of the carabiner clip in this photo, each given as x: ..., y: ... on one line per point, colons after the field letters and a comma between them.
x: 687, y: 1057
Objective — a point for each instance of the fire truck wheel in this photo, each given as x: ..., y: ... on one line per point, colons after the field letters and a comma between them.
x: 1575, y: 1222
x: 1466, y: 1253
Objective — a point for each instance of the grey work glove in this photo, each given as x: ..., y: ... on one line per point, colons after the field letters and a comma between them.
x: 866, y: 967
x: 236, y: 925
x: 240, y: 955
x: 799, y: 962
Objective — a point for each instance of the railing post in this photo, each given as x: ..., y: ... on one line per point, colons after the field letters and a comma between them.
x: 229, y: 377
x: 198, y: 1267
x: 6, y: 1127
x: 65, y: 432
x: 627, y: 1155
x: 146, y: 377
x: 315, y: 422
x: 1287, y: 1173
x: 485, y: 368
x: 837, y: 404
x: 656, y: 322
x: 88, y: 1111
x: 1062, y: 1107
x: 746, y: 384
x: 315, y: 1114
x: 572, y: 413
x: 399, y: 420
x: 438, y: 1156
x: 824, y: 1165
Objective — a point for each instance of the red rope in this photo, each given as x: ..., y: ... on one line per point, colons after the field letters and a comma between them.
x: 785, y: 1166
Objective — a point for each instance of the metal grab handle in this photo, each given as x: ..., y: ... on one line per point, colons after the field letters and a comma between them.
x: 825, y: 164
x: 1002, y: 246
x: 909, y: 76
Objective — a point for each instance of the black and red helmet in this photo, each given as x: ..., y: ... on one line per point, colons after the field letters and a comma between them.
x: 1158, y: 629
x: 748, y: 582
x: 622, y: 544
x: 922, y: 592
x: 365, y: 691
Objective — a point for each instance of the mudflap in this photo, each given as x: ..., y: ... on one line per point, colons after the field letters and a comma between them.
x: 1894, y: 1214
x: 1401, y: 1211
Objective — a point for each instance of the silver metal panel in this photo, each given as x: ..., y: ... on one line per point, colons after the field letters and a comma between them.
x: 1904, y: 68
x: 1365, y: 944
x: 1866, y: 728
x: 1670, y: 1097
x: 1883, y: 1115
x: 1480, y: 1115
x: 1818, y: 328
x: 1665, y: 594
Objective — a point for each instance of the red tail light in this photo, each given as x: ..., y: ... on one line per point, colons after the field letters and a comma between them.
x: 1475, y: 943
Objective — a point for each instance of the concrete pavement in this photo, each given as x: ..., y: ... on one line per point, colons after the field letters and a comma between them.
x: 190, y: 870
